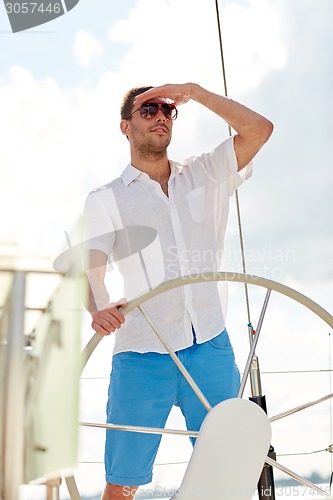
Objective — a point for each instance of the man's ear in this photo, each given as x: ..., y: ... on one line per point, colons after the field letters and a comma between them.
x: 124, y: 127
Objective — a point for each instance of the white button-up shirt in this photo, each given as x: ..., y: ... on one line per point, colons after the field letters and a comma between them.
x: 150, y: 238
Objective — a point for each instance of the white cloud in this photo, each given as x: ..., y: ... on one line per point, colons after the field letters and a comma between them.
x: 182, y: 43
x: 254, y: 42
x: 86, y: 48
x: 52, y: 142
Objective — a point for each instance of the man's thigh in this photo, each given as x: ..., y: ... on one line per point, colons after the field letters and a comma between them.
x: 141, y: 393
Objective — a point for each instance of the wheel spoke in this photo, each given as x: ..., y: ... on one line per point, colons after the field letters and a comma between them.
x: 300, y: 408
x: 295, y: 476
x: 254, y: 345
x: 176, y: 360
x: 144, y: 430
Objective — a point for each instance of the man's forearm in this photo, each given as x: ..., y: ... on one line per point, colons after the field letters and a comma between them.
x: 238, y: 116
x: 98, y: 297
x: 252, y: 129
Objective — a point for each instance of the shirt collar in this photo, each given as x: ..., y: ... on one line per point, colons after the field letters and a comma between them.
x: 131, y: 173
x: 176, y: 167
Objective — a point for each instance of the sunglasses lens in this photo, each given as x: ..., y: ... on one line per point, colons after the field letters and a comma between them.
x: 150, y: 109
x: 169, y: 111
x: 166, y: 109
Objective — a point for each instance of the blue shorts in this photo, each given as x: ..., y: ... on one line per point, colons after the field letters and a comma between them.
x: 144, y: 387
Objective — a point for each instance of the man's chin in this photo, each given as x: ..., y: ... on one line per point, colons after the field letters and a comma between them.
x: 161, y: 143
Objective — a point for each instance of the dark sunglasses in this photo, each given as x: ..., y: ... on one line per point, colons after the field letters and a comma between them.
x: 150, y: 109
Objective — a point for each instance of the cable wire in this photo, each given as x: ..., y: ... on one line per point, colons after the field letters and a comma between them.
x: 301, y: 453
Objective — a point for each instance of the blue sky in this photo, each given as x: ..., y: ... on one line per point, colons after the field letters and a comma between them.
x: 60, y: 89
x: 47, y: 49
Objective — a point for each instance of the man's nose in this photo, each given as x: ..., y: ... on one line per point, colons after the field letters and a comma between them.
x: 160, y: 117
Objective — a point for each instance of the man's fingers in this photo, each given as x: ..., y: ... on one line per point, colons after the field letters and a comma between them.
x: 117, y: 315
x: 178, y: 94
x: 104, y: 327
x: 108, y: 320
x: 99, y: 329
x: 113, y: 320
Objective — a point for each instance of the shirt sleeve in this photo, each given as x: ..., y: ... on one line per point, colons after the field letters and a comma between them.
x: 221, y: 165
x: 99, y: 228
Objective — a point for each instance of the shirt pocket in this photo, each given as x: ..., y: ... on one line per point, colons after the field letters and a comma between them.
x: 196, y: 201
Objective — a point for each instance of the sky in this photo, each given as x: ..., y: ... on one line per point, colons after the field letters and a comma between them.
x: 61, y: 85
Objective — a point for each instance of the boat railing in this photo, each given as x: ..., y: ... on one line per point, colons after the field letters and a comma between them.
x: 39, y: 371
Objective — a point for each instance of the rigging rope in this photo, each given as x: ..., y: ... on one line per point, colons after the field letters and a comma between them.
x: 240, y: 230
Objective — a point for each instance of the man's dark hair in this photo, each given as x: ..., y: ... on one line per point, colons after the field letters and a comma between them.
x: 127, y: 104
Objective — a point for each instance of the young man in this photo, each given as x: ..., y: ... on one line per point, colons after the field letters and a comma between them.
x: 186, y: 207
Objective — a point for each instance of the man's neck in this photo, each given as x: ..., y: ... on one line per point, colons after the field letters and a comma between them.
x: 157, y: 168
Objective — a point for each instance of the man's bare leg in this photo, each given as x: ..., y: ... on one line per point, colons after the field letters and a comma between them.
x: 116, y: 492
